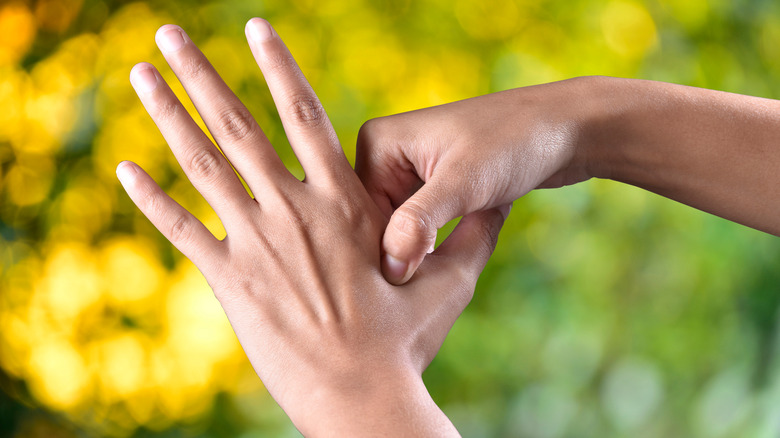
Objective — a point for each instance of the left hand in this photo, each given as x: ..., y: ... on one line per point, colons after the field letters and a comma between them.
x: 427, y: 167
x: 298, y: 275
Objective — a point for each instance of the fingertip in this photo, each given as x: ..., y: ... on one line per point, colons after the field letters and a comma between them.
x: 126, y: 172
x: 163, y: 28
x: 140, y: 66
x: 166, y: 27
x: 143, y: 77
x: 259, y: 30
x: 170, y: 38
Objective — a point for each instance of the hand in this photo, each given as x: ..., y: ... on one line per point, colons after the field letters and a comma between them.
x: 298, y: 275
x: 427, y: 167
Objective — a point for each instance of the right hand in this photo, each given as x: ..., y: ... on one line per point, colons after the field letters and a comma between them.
x: 339, y: 348
x: 427, y: 167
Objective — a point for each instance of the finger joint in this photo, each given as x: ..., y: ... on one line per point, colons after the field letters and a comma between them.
x: 206, y: 163
x: 180, y: 229
x: 412, y: 222
x: 235, y: 124
x: 307, y: 110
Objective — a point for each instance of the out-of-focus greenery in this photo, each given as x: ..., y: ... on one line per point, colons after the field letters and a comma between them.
x: 605, y: 311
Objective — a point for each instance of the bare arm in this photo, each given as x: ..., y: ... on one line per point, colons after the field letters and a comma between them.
x: 716, y: 151
x: 712, y: 150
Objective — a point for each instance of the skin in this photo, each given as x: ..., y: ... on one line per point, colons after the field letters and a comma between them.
x: 712, y: 150
x: 298, y: 275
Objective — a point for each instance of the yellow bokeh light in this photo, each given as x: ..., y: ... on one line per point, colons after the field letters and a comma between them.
x: 122, y: 366
x: 13, y: 343
x: 14, y: 87
x: 434, y: 80
x: 131, y: 270
x: 490, y: 20
x: 84, y: 209
x: 59, y: 374
x: 71, y: 281
x: 628, y: 28
x: 18, y: 31
x: 370, y: 59
x: 29, y: 184
x: 691, y: 13
x: 232, y: 61
x: 300, y: 41
x: 130, y: 136
x: 128, y: 38
x: 56, y: 15
x: 197, y: 325
x: 52, y: 114
x: 183, y: 382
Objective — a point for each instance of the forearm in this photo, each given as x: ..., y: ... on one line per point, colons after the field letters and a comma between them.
x: 712, y: 150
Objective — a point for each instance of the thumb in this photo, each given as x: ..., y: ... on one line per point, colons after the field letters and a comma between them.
x: 472, y: 242
x: 412, y: 229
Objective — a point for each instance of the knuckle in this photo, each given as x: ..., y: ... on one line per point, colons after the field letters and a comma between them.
x: 464, y: 277
x: 367, y: 131
x: 488, y: 233
x: 369, y: 156
x: 205, y: 163
x: 413, y: 222
x: 351, y: 212
x: 307, y: 110
x: 464, y: 289
x: 180, y: 229
x: 235, y: 124
x: 367, y: 137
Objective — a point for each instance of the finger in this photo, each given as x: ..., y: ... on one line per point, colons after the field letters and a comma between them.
x: 412, y: 227
x: 308, y: 129
x: 178, y: 225
x: 467, y: 250
x: 459, y: 261
x: 229, y: 121
x: 205, y: 167
x: 387, y: 175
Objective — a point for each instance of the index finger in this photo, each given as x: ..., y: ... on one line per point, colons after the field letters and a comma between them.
x: 308, y: 128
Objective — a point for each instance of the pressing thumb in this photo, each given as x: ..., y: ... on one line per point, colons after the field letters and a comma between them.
x: 411, y: 231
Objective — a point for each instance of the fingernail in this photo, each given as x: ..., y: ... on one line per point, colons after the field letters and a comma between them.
x: 170, y: 40
x: 394, y: 268
x: 143, y: 79
x: 259, y: 30
x: 126, y: 173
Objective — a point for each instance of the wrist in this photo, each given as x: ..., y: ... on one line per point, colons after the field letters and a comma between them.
x: 602, y: 121
x: 375, y: 403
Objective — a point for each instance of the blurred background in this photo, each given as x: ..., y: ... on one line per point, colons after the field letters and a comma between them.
x: 606, y: 311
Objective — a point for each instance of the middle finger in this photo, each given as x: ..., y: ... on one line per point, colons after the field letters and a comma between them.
x: 229, y: 121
